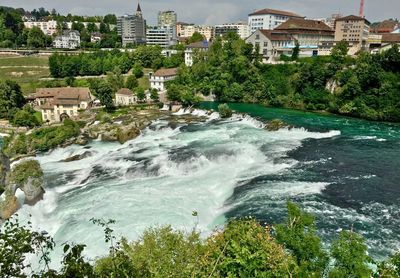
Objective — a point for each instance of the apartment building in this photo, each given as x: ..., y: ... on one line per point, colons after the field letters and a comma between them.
x: 132, y: 28
x: 186, y: 30
x: 269, y: 19
x: 47, y: 27
x: 240, y: 28
x: 354, y: 30
x: 309, y: 34
x: 192, y: 48
x: 162, y: 36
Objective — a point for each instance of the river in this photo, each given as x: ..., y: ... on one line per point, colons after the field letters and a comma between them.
x: 344, y: 171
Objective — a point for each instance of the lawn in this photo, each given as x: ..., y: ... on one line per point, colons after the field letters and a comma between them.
x: 42, y: 61
x: 26, y: 71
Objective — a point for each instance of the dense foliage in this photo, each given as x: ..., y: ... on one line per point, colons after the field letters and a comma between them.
x: 366, y: 86
x: 42, y: 139
x: 242, y: 248
x: 11, y: 99
x: 101, y: 62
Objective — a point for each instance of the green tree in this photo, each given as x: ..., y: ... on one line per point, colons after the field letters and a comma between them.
x: 140, y: 93
x: 351, y: 258
x: 11, y: 98
x: 115, y: 79
x: 224, y: 111
x: 245, y: 249
x: 104, y: 92
x: 25, y: 117
x: 36, y: 38
x: 131, y: 82
x: 296, y: 51
x: 154, y: 95
x: 298, y: 235
x: 196, y: 37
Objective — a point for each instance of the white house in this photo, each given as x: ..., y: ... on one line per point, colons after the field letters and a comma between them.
x: 57, y: 104
x: 269, y: 19
x: 69, y: 40
x: 95, y: 37
x: 125, y: 97
x: 160, y: 77
x: 199, y: 46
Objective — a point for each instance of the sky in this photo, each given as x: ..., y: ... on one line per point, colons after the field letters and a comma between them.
x: 212, y: 12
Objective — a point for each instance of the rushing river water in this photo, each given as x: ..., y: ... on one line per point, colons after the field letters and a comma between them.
x: 344, y: 171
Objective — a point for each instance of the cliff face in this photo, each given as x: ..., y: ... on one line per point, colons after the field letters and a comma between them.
x: 4, y: 169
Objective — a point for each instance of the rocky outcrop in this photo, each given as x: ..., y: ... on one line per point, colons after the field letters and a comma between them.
x: 78, y: 157
x: 128, y: 133
x: 275, y: 125
x: 28, y: 176
x: 8, y: 206
x: 4, y: 169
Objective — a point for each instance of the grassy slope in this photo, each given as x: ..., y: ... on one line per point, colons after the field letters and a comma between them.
x: 25, y: 70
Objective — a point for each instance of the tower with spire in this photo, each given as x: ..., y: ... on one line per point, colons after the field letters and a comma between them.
x: 132, y: 28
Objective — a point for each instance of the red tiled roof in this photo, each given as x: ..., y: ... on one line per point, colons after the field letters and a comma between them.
x: 277, y: 35
x: 125, y: 91
x: 63, y: 96
x: 277, y: 12
x: 391, y: 38
x: 298, y: 25
x: 166, y: 72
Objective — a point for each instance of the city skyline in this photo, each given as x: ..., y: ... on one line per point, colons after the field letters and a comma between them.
x: 214, y: 12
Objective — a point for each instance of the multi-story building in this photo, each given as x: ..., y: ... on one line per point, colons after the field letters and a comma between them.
x: 162, y: 36
x: 240, y: 28
x: 159, y: 79
x: 57, y: 104
x: 269, y: 19
x: 354, y: 30
x: 308, y: 34
x: 271, y: 44
x: 47, y: 27
x: 330, y: 21
x: 187, y: 30
x: 132, y: 28
x: 68, y: 40
x: 167, y: 18
x: 192, y: 48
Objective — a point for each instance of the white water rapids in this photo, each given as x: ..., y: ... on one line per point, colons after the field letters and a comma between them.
x: 160, y: 178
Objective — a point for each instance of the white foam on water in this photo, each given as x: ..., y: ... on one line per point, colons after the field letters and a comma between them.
x: 160, y: 178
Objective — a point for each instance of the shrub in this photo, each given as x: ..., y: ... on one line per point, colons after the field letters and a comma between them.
x: 224, y: 111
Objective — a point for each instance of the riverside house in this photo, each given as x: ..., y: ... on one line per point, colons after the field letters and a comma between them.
x: 57, y: 104
x: 125, y: 97
x: 161, y: 77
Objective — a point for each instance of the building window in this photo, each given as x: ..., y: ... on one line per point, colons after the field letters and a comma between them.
x: 265, y: 44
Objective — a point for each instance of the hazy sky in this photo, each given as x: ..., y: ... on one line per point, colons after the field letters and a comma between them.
x: 214, y: 11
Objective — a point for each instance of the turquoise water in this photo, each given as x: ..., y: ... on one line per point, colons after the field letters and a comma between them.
x: 344, y: 171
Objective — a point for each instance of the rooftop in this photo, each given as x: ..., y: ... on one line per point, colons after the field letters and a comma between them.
x: 202, y: 44
x: 166, y: 72
x: 352, y: 17
x: 277, y: 35
x: 304, y: 24
x: 125, y: 92
x: 276, y: 12
x: 63, y: 96
x: 391, y: 38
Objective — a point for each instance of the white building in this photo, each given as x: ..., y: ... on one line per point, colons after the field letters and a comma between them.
x: 47, y: 27
x: 312, y: 36
x: 125, y: 97
x: 240, y: 28
x: 69, y: 40
x: 57, y: 104
x: 96, y: 37
x: 187, y: 30
x: 159, y: 79
x: 191, y: 48
x: 162, y: 36
x: 269, y: 19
